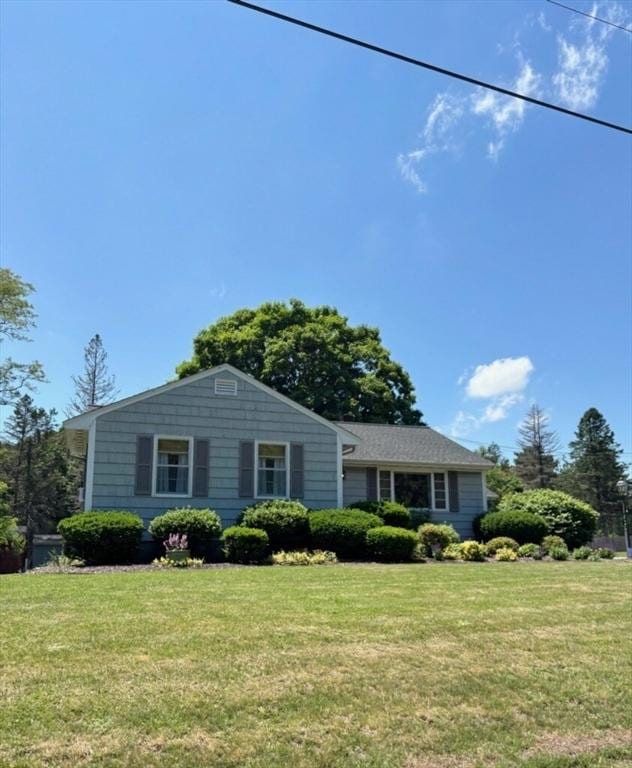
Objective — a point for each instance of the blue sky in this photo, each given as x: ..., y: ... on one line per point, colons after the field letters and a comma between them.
x: 164, y: 164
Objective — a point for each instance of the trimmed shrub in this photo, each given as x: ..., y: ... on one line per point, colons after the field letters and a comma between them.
x: 435, y: 538
x: 200, y: 526
x: 506, y: 555
x: 451, y: 552
x: 582, y: 553
x: 285, y: 522
x: 101, y: 538
x: 245, y: 545
x: 472, y: 551
x: 568, y: 517
x: 390, y: 544
x: 500, y: 542
x: 391, y: 512
x: 303, y: 557
x: 529, y: 550
x: 559, y: 553
x: 523, y: 527
x: 552, y: 541
x: 342, y: 531
x: 605, y: 553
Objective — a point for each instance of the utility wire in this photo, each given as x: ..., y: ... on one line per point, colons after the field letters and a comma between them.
x: 591, y: 16
x: 426, y: 65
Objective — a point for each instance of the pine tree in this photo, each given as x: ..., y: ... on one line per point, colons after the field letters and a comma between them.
x: 95, y: 386
x: 42, y: 478
x: 595, y: 467
x: 536, y: 464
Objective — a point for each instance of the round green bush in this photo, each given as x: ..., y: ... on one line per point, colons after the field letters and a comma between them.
x: 529, y: 550
x: 391, y: 512
x: 500, y: 542
x: 434, y: 537
x: 102, y: 538
x: 605, y: 553
x: 523, y: 527
x: 472, y: 551
x: 11, y: 540
x: 245, y: 545
x: 285, y: 522
x: 552, y: 541
x: 390, y: 544
x: 568, y: 517
x: 342, y: 531
x: 559, y: 553
x: 582, y: 553
x: 201, y: 527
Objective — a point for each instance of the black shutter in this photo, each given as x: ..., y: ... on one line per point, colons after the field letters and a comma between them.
x: 200, y: 468
x: 453, y: 488
x: 371, y: 484
x: 144, y: 465
x: 296, y: 471
x: 247, y: 469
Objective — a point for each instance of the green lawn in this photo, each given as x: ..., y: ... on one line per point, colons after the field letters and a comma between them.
x: 415, y: 666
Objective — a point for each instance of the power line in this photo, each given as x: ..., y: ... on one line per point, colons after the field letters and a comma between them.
x: 591, y: 16
x: 426, y: 65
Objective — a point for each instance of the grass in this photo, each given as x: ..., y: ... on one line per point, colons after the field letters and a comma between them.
x: 419, y: 666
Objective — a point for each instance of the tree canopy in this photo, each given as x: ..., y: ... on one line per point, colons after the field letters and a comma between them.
x: 314, y: 356
x: 17, y: 317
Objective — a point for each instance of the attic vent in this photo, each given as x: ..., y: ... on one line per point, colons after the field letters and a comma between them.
x: 225, y: 387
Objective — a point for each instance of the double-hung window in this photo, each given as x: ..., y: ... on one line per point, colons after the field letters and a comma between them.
x: 272, y: 470
x: 173, y: 472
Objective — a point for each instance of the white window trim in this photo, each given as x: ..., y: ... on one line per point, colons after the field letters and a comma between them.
x: 287, y: 468
x: 430, y: 473
x: 154, y: 493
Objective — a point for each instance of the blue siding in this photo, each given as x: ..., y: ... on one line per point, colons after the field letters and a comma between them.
x: 193, y: 410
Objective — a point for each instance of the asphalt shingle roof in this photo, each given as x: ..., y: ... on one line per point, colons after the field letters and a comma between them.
x: 386, y: 443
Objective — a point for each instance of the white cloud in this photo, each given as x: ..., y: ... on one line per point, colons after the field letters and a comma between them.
x: 502, y: 383
x: 499, y: 408
x: 581, y: 69
x: 583, y: 62
x: 408, y: 167
x: 575, y: 82
x: 502, y: 376
x: 441, y: 117
x: 443, y: 114
x: 506, y: 112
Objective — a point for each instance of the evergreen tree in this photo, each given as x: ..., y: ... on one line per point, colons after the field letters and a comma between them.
x: 595, y: 467
x: 536, y: 464
x: 95, y: 386
x: 42, y: 479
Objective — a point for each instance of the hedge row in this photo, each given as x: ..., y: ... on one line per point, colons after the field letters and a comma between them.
x: 531, y: 517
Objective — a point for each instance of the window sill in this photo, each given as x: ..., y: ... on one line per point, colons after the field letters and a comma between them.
x: 171, y: 496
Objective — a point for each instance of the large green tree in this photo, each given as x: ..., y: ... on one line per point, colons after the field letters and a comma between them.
x: 536, y: 465
x: 17, y: 317
x: 314, y: 356
x: 594, y: 467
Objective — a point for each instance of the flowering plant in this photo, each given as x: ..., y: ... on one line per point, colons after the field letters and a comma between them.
x: 175, y: 542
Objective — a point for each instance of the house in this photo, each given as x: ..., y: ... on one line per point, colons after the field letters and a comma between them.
x: 221, y: 439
